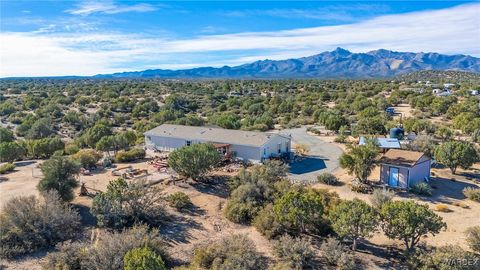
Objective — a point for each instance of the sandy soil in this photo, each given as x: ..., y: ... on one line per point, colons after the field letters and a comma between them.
x: 445, y: 192
x: 22, y: 182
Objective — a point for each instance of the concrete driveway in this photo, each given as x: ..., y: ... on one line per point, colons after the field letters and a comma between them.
x: 322, y: 157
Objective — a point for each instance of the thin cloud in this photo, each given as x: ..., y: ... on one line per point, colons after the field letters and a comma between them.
x: 90, y: 7
x: 450, y: 31
x: 336, y: 13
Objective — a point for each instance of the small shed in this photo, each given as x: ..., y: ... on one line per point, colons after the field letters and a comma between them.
x: 403, y: 168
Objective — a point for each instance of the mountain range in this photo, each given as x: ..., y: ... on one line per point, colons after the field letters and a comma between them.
x: 339, y: 63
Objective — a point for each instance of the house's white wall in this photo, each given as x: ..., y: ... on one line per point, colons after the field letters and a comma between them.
x: 164, y: 143
x: 419, y: 172
x: 169, y: 144
x: 247, y: 152
x: 271, y: 147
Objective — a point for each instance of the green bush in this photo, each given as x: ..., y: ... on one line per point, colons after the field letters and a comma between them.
x: 472, y: 193
x: 88, y: 158
x: 179, y: 200
x: 130, y: 155
x: 243, y: 204
x: 266, y: 223
x: 143, y: 259
x: 327, y: 178
x: 29, y: 224
x: 194, y: 161
x: 422, y: 189
x: 6, y: 168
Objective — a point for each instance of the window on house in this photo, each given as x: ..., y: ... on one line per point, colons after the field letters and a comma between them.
x: 189, y: 143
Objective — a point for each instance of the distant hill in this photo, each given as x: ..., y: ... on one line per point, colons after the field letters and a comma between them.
x: 336, y: 64
x: 441, y: 76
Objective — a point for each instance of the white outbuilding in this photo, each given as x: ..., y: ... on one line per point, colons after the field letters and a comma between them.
x: 246, y: 145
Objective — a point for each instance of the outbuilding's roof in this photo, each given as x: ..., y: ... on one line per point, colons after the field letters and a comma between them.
x: 210, y: 134
x: 390, y: 143
x: 402, y: 158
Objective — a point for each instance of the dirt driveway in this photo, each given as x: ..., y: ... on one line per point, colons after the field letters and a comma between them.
x: 322, y: 157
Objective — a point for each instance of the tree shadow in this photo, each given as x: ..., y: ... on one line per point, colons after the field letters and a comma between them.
x: 443, y: 191
x: 393, y: 256
x: 24, y: 163
x: 193, y: 210
x: 214, y: 185
x: 86, y: 218
x: 176, y: 229
x: 308, y: 164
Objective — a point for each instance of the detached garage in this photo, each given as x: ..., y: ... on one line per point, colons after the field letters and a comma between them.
x: 403, y: 169
x: 247, y: 145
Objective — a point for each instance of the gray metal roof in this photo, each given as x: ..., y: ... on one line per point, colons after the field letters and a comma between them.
x: 210, y: 134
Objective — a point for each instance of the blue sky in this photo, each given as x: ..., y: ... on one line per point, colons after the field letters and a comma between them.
x: 50, y: 38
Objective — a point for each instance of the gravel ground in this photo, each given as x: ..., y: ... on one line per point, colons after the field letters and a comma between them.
x: 322, y: 157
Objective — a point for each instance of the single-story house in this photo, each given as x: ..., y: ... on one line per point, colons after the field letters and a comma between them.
x: 384, y: 144
x: 246, y: 145
x: 403, y: 169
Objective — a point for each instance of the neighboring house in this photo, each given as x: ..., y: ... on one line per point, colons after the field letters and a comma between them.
x: 403, y: 169
x: 473, y: 92
x: 383, y: 143
x: 247, y: 145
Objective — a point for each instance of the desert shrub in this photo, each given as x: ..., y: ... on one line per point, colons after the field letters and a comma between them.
x: 266, y: 223
x: 422, y: 189
x: 130, y: 155
x: 295, y: 252
x: 327, y: 178
x: 29, y: 224
x: 442, y: 208
x: 302, y: 149
x: 244, y: 203
x: 43, y: 148
x: 381, y: 196
x: 143, y: 258
x: 472, y: 193
x: 335, y: 254
x: 108, y: 250
x: 443, y: 258
x: 233, y: 252
x: 359, y: 187
x: 69, y: 255
x: 71, y: 149
x: 253, y: 189
x: 6, y: 168
x: 461, y: 204
x: 11, y: 151
x: 179, y: 200
x: 87, y: 158
x: 126, y: 203
x: 473, y: 238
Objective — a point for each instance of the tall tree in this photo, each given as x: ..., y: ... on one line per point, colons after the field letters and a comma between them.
x: 455, y: 154
x: 353, y: 219
x: 409, y: 221
x: 194, y: 160
x: 360, y: 160
x: 59, y: 174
